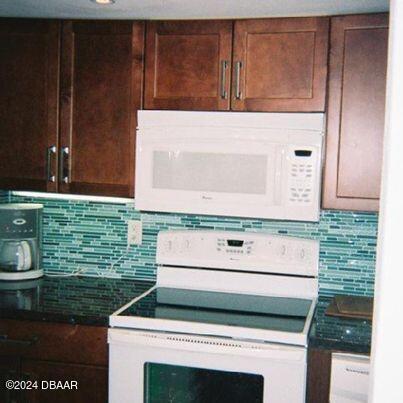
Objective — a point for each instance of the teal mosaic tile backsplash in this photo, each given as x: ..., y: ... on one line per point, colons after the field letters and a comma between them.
x: 3, y: 196
x: 91, y: 236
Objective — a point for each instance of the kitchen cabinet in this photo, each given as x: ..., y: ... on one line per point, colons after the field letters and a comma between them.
x: 9, y: 369
x: 37, y: 351
x: 91, y: 382
x: 357, y: 81
x: 100, y: 92
x: 280, y: 65
x: 73, y: 131
x: 29, y: 74
x: 188, y: 65
x: 318, y: 375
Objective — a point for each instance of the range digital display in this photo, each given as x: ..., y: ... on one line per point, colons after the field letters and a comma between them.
x: 235, y: 242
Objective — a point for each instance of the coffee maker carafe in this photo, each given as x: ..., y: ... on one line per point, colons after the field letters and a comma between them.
x: 20, y: 241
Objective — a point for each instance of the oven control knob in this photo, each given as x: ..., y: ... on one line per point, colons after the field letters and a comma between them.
x: 302, y: 255
x: 185, y: 245
x: 283, y: 250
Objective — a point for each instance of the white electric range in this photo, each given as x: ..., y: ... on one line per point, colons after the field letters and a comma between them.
x: 227, y: 321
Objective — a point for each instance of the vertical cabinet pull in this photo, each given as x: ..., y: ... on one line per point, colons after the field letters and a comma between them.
x: 64, y: 164
x: 238, y: 66
x: 224, y: 66
x: 50, y: 175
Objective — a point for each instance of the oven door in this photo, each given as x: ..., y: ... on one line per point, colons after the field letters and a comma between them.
x: 217, y: 171
x: 147, y: 367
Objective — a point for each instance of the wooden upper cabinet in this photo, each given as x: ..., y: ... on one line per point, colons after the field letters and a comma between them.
x: 188, y: 65
x: 29, y: 71
x: 101, y: 81
x: 358, y: 61
x: 280, y: 65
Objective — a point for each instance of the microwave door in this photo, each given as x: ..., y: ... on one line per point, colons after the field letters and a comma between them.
x: 207, y: 175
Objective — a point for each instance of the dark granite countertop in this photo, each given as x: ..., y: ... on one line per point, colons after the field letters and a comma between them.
x: 90, y: 301
x: 332, y: 333
x: 76, y: 300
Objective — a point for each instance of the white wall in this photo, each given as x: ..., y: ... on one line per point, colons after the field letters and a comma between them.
x: 387, y: 339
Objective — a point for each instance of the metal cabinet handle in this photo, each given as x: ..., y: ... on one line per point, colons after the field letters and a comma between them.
x: 224, y: 66
x: 64, y: 164
x: 238, y: 66
x: 4, y: 339
x: 50, y: 176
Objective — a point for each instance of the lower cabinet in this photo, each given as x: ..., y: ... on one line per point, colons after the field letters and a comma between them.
x: 318, y: 377
x: 53, y: 362
x: 9, y: 369
x: 62, y: 382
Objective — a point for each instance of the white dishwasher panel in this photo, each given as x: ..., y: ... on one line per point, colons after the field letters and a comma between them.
x: 349, y: 378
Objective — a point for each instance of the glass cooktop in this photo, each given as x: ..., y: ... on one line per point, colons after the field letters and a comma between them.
x: 251, y: 311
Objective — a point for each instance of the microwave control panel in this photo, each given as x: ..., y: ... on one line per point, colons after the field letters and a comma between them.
x: 302, y: 176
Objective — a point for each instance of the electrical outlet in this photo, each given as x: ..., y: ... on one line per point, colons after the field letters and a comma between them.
x: 134, y: 232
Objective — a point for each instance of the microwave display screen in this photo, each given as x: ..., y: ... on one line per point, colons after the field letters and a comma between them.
x: 303, y: 153
x: 234, y: 242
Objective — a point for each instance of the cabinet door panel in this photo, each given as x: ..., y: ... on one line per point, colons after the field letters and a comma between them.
x: 100, y: 95
x: 184, y: 65
x: 29, y: 70
x: 92, y: 382
x: 9, y: 369
x: 318, y: 375
x: 357, y: 87
x: 280, y: 64
x: 42, y: 340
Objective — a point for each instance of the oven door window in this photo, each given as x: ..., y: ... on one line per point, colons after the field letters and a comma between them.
x: 179, y: 384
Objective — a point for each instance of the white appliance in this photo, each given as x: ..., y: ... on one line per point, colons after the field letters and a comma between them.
x: 265, y: 165
x: 349, y: 381
x: 227, y: 320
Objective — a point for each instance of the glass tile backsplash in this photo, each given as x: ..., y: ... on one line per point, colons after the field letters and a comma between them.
x: 3, y: 196
x: 91, y: 237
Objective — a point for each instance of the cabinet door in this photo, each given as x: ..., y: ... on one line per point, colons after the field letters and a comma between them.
x: 357, y: 72
x: 9, y: 370
x: 280, y: 64
x: 318, y: 375
x: 101, y: 82
x: 91, y: 381
x: 188, y: 65
x: 29, y: 70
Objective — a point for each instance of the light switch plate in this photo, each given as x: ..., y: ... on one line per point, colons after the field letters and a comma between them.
x: 134, y: 232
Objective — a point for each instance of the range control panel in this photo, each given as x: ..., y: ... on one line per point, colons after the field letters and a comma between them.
x: 234, y: 246
x: 243, y: 251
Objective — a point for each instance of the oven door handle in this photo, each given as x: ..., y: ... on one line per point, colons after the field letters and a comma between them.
x: 204, y: 344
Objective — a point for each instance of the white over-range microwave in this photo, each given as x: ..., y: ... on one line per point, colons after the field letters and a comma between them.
x: 263, y: 165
